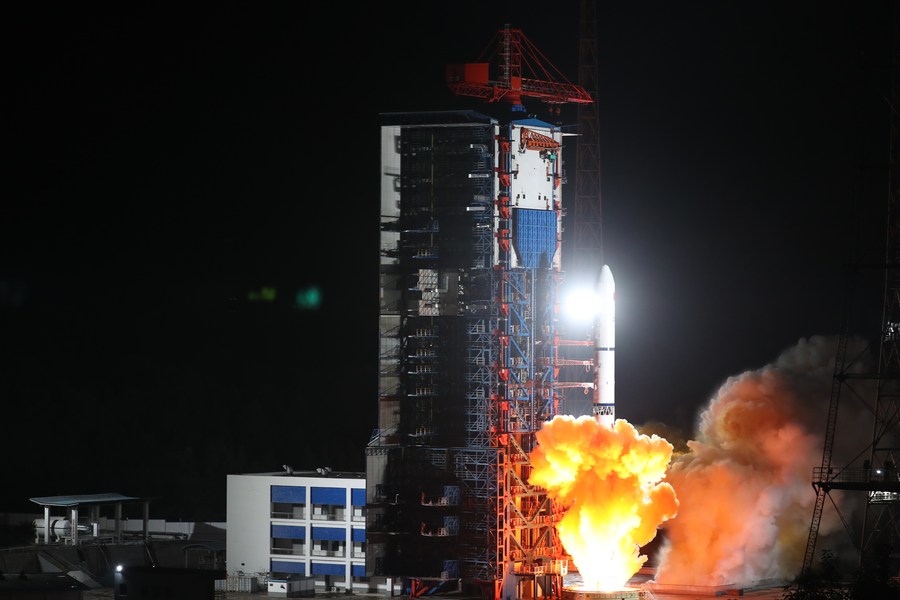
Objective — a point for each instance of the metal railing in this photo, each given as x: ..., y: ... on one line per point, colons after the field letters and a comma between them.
x: 857, y: 475
x: 288, y: 515
x: 290, y: 551
x: 329, y: 553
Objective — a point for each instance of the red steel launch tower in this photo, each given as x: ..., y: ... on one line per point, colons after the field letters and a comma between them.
x: 471, y: 214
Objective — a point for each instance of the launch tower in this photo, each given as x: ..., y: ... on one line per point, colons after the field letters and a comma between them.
x: 471, y: 232
x: 867, y: 381
x: 470, y: 219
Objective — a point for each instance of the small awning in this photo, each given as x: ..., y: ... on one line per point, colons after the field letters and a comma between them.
x: 79, y: 499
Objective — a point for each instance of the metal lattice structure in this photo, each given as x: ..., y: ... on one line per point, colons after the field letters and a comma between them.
x: 470, y: 243
x: 872, y: 471
x: 586, y: 219
x: 513, y: 68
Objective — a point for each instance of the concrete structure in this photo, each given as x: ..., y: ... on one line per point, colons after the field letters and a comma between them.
x: 288, y: 525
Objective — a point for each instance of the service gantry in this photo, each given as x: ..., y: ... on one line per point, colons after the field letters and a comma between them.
x: 471, y: 233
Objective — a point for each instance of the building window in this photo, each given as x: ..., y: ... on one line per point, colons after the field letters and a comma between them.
x: 287, y: 510
x: 327, y: 512
x: 333, y: 548
x: 288, y: 546
x: 359, y: 550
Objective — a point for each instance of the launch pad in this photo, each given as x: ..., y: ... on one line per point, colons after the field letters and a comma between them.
x: 572, y: 593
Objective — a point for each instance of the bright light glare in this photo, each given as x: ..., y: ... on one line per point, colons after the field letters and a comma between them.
x: 581, y: 304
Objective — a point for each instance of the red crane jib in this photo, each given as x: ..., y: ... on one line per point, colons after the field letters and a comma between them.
x: 494, y: 91
x: 512, y: 84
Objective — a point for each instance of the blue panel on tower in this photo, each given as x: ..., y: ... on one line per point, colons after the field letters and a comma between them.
x: 534, y: 236
x: 291, y: 532
x: 358, y: 497
x: 337, y: 496
x: 292, y: 494
x: 358, y: 570
x: 359, y: 535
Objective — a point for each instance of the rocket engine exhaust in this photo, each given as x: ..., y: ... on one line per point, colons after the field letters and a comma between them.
x: 605, y: 475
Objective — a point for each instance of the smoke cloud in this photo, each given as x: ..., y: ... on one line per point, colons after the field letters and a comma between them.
x: 744, y: 484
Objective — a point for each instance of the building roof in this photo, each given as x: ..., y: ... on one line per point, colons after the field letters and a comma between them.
x: 532, y: 122
x: 309, y: 474
x: 434, y: 118
x: 79, y: 499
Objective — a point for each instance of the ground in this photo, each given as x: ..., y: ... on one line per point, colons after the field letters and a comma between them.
x: 771, y: 594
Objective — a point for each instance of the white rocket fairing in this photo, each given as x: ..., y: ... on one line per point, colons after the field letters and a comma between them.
x: 604, y: 409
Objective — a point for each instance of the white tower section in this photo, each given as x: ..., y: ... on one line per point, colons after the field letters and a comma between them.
x: 534, y: 185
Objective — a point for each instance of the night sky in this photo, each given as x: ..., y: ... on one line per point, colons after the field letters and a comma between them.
x: 180, y: 185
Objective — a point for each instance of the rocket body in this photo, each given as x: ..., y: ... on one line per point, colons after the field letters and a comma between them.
x: 604, y: 401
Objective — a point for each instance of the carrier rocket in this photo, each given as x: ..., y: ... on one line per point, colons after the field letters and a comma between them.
x: 604, y: 405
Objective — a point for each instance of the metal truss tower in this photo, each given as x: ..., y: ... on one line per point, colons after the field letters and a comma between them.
x: 585, y: 253
x: 471, y: 213
x: 872, y: 470
x: 471, y: 244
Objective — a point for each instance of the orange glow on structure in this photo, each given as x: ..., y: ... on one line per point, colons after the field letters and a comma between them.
x: 609, y: 480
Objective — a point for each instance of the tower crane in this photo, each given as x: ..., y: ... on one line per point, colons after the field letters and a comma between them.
x: 520, y: 70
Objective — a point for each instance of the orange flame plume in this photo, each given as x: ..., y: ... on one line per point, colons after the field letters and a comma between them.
x: 609, y: 479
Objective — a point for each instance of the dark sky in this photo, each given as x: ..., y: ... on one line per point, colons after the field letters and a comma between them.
x: 164, y: 165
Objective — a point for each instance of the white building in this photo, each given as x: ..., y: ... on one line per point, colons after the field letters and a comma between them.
x: 299, y: 524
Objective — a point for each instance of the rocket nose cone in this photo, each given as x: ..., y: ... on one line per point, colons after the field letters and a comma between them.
x: 606, y: 292
x: 606, y: 272
x: 606, y: 279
